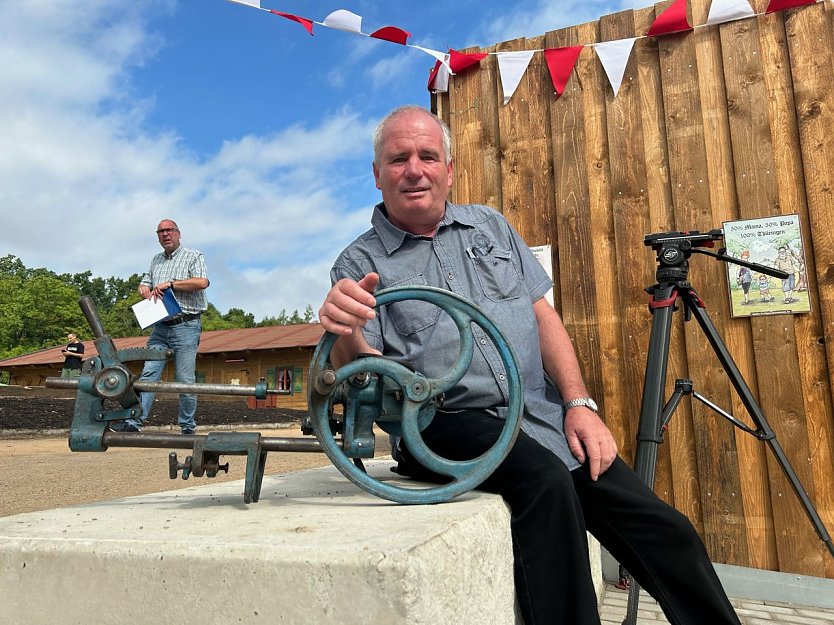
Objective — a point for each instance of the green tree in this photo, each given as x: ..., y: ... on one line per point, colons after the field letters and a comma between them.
x: 48, y: 309
x: 239, y: 318
x: 213, y: 320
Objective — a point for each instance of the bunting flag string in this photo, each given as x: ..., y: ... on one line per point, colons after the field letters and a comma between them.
x: 613, y: 55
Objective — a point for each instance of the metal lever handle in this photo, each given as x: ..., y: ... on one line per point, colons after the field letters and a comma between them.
x: 174, y: 466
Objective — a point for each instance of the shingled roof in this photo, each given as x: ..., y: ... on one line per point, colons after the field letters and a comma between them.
x: 212, y: 342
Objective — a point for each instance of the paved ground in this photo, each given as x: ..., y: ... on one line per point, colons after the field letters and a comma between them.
x: 614, y: 602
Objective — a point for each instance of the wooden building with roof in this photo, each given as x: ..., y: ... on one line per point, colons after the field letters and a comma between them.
x: 279, y: 354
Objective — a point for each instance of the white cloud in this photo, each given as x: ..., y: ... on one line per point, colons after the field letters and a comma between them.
x: 83, y: 182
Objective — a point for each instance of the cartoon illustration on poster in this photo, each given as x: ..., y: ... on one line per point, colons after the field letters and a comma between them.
x: 773, y: 242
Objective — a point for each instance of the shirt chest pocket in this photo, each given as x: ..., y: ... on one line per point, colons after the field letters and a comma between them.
x: 498, y: 275
x: 411, y: 316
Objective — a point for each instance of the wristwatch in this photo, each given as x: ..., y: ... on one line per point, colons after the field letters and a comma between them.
x: 171, y: 285
x: 582, y: 401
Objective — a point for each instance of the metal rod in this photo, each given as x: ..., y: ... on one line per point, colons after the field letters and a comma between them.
x: 171, y: 387
x: 186, y: 441
x: 88, y: 308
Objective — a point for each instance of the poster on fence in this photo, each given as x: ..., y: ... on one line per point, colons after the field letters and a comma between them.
x: 773, y: 242
x: 544, y: 254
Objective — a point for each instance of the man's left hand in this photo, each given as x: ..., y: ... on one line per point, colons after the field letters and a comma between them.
x: 590, y: 440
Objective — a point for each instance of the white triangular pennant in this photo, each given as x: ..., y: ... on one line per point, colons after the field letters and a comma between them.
x: 440, y: 56
x: 441, y: 80
x: 344, y: 20
x: 614, y: 57
x: 251, y: 3
x: 511, y: 66
x: 721, y: 11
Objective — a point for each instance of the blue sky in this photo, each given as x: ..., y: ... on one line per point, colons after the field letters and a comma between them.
x: 252, y: 135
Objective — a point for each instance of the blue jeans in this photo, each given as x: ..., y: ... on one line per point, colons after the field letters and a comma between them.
x: 183, y: 339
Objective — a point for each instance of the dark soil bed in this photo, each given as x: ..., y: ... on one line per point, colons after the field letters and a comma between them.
x: 38, y: 408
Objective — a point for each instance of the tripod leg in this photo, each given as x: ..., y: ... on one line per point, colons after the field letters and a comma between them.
x: 766, y: 433
x: 648, y: 431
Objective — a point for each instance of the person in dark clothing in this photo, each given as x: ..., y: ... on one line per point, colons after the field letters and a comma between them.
x: 73, y: 354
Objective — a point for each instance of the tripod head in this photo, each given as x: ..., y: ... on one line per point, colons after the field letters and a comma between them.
x: 674, y: 249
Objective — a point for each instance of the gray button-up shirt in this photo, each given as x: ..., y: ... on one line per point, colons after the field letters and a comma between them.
x: 478, y: 255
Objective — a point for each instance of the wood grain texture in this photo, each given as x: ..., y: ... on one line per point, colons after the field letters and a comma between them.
x: 727, y: 122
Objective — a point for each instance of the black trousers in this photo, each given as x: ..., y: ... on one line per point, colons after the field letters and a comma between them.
x: 551, y: 510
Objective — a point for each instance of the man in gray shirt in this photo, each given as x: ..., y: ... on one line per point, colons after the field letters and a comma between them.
x: 563, y: 475
x: 182, y: 271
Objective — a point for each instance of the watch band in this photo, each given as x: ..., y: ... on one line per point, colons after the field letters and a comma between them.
x: 588, y: 402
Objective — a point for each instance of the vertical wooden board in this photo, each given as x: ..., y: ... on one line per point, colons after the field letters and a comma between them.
x: 678, y: 452
x: 809, y: 37
x: 487, y: 105
x: 526, y: 164
x: 576, y: 245
x: 631, y: 221
x: 713, y: 47
x: 812, y: 369
x: 439, y: 105
x: 541, y: 154
x: 658, y: 187
x: 473, y: 133
x: 743, y: 74
x: 584, y: 226
x: 540, y: 183
x: 717, y: 463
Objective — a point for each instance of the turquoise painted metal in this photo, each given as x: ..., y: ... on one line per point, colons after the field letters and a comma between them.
x: 382, y: 391
x: 372, y: 391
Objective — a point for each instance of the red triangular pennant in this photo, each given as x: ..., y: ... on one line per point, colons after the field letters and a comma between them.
x: 560, y: 62
x: 781, y: 5
x: 392, y: 34
x: 308, y: 24
x: 458, y: 61
x: 672, y: 20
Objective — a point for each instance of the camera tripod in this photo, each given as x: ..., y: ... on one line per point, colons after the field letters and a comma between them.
x: 673, y: 252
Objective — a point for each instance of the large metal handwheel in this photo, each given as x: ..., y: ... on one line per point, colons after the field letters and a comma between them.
x: 375, y: 389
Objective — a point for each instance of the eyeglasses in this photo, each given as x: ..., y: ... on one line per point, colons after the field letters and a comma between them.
x: 167, y: 230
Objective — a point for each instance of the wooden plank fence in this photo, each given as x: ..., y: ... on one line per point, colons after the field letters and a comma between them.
x: 727, y: 122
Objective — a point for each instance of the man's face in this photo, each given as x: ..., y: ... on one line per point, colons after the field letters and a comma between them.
x: 412, y: 173
x: 71, y: 338
x: 169, y: 235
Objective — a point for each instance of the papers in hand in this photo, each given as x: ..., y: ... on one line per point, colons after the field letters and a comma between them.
x: 150, y: 311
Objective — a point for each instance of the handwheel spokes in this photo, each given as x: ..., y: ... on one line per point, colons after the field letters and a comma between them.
x: 417, y: 447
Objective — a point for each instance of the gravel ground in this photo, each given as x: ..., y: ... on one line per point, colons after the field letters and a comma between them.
x: 39, y: 472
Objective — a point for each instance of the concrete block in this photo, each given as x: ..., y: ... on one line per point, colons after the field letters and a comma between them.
x: 314, y: 550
